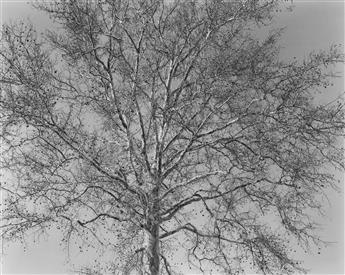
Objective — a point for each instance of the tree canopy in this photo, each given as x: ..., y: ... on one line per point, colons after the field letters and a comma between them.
x: 152, y: 128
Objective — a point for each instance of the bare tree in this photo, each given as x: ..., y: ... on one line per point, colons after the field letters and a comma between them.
x: 149, y: 122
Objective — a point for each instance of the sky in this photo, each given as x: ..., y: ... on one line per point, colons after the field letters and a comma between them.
x: 313, y: 25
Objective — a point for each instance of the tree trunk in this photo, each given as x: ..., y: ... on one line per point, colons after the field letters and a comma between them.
x: 152, y: 241
x: 151, y: 258
x: 153, y: 250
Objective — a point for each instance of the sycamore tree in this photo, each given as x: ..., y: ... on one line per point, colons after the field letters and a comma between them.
x: 154, y: 128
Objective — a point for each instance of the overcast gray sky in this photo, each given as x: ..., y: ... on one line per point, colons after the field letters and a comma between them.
x: 312, y: 25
